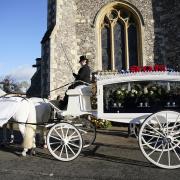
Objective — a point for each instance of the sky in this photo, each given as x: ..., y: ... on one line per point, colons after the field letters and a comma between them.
x: 23, y: 23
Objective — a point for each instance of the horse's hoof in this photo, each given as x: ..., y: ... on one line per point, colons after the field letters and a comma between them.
x: 45, y: 146
x: 24, y: 154
x: 33, y: 152
x: 11, y: 141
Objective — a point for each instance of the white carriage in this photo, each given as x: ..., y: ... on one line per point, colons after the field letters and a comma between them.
x: 148, y: 101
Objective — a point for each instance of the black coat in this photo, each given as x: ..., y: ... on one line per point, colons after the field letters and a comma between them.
x: 83, y: 74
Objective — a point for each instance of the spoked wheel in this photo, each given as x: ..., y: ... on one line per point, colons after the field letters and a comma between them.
x: 64, y: 141
x: 159, y: 139
x: 87, y: 130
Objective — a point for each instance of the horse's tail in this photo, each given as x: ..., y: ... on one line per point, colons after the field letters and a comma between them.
x: 29, y: 136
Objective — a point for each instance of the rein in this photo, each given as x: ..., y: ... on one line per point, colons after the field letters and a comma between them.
x: 70, y: 84
x: 61, y: 86
x: 37, y: 124
x: 16, y: 95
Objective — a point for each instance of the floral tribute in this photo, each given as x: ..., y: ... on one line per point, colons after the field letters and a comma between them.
x: 157, y: 67
x: 139, y: 93
x: 101, y: 123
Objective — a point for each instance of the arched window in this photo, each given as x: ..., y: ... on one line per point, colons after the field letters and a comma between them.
x: 119, y: 38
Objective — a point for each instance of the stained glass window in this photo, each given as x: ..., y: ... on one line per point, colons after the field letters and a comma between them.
x: 132, y: 41
x: 119, y: 46
x: 119, y: 40
x: 106, y: 54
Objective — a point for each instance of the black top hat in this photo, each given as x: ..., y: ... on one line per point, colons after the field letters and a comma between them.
x: 82, y: 58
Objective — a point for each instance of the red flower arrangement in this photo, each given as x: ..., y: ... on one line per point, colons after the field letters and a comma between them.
x: 157, y: 67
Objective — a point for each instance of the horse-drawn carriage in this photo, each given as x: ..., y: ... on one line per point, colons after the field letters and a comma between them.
x: 148, y: 101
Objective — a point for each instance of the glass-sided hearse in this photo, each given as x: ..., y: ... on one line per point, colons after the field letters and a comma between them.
x: 149, y: 100
x: 126, y: 97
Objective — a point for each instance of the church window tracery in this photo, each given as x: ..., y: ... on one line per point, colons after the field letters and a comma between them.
x: 119, y: 39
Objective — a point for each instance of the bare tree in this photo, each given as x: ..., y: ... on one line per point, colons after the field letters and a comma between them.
x: 11, y: 85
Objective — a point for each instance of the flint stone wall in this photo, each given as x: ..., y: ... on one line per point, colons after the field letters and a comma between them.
x: 74, y: 34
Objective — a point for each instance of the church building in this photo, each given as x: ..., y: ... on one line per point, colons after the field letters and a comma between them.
x: 113, y: 34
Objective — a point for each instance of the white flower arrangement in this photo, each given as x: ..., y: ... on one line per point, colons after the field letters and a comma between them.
x: 138, y: 94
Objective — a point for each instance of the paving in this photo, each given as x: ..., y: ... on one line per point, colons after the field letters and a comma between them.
x: 113, y: 156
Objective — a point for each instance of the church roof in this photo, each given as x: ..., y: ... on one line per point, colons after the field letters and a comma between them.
x: 47, y: 34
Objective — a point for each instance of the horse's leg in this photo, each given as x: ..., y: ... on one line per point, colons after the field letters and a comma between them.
x: 44, y: 137
x: 4, y: 140
x: 30, y: 130
x: 24, y: 152
x: 25, y: 131
x: 11, y: 133
x: 33, y: 150
x: 40, y: 136
x: 29, y: 141
x: 22, y: 130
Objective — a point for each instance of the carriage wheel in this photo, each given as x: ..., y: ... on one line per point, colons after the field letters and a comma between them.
x: 87, y: 130
x: 159, y: 139
x: 64, y: 141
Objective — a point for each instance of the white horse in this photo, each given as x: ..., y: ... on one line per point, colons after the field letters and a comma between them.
x: 43, y: 115
x: 22, y: 111
x: 42, y: 111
